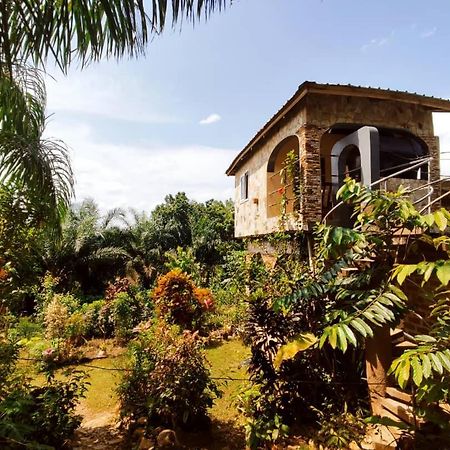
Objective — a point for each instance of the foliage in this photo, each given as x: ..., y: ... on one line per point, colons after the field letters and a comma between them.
x: 91, y: 318
x: 124, y: 308
x: 89, y: 31
x: 168, y: 381
x: 339, y: 430
x: 263, y: 422
x: 34, y: 416
x: 37, y: 170
x: 361, y: 281
x: 91, y: 252
x: 184, y: 259
x: 179, y: 302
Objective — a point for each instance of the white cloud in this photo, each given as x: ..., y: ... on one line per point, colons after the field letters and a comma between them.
x: 377, y: 42
x: 212, y: 118
x: 428, y: 33
x: 140, y: 176
x: 108, y: 94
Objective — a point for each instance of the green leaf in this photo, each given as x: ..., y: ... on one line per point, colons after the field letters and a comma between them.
x: 337, y: 235
x: 403, y: 372
x: 443, y: 273
x: 332, y: 337
x: 428, y: 271
x: 349, y: 334
x: 436, y: 363
x: 444, y: 360
x: 428, y: 219
x: 417, y: 373
x: 342, y: 339
x: 441, y: 220
x: 301, y: 343
x: 426, y: 366
x: 359, y: 325
x: 404, y: 271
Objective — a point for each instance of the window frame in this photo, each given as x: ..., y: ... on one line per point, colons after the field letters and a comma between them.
x: 244, y: 185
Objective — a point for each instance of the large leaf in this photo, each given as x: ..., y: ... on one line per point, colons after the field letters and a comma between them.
x: 443, y: 273
x: 301, y: 343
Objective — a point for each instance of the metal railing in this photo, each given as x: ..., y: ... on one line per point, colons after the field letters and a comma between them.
x: 406, y: 167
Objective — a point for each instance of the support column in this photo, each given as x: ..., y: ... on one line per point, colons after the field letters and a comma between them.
x: 311, y: 194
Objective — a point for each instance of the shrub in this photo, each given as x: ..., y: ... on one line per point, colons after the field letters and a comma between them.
x: 56, y: 317
x: 91, y: 316
x: 127, y: 312
x: 34, y: 417
x: 42, y: 415
x: 75, y: 328
x: 179, y: 302
x: 168, y: 381
x: 121, y: 285
x: 63, y: 329
x: 26, y: 328
x: 121, y: 313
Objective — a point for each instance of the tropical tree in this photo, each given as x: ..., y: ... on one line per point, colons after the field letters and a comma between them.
x: 91, y: 251
x: 65, y: 31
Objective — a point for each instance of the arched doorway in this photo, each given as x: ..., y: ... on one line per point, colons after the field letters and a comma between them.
x: 283, y: 177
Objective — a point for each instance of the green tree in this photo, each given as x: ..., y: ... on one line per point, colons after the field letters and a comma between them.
x: 92, y: 250
x: 31, y: 33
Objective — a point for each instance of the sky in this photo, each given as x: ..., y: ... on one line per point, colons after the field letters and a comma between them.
x: 174, y: 119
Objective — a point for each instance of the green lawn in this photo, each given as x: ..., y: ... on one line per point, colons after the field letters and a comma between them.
x: 227, y: 360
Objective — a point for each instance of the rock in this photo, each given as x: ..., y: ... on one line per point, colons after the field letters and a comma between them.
x: 101, y: 354
x: 138, y: 433
x: 142, y: 421
x: 167, y: 438
x: 354, y: 446
x: 145, y: 444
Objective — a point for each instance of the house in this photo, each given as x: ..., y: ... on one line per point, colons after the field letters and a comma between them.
x: 288, y: 174
x: 333, y: 131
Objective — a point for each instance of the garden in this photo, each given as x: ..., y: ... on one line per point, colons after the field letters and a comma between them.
x: 122, y: 329
x: 160, y: 331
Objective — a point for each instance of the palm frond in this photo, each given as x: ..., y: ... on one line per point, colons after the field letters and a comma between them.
x: 42, y: 166
x: 89, y: 30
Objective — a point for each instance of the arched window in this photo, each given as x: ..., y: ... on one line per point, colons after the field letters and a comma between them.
x: 283, y: 169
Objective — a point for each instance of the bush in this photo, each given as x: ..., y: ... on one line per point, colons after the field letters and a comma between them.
x: 26, y: 328
x: 91, y: 316
x: 56, y: 317
x: 168, y: 381
x: 121, y: 313
x: 179, y: 302
x: 31, y: 416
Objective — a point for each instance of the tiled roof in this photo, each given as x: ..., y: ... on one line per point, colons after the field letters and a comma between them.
x: 432, y: 103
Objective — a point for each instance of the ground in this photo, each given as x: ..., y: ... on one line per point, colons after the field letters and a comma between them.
x: 100, y: 408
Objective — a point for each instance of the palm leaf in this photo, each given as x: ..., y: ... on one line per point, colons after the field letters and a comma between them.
x: 89, y: 30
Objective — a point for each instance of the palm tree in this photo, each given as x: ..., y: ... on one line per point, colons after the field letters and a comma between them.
x: 38, y: 168
x: 65, y: 31
x: 92, y: 249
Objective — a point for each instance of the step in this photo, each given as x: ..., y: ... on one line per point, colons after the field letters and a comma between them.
x: 399, y: 409
x: 406, y: 345
x: 398, y: 395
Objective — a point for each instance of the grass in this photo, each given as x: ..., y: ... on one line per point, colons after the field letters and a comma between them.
x: 101, y: 395
x: 227, y: 360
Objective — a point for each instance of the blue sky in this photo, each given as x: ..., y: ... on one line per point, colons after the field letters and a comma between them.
x: 173, y: 120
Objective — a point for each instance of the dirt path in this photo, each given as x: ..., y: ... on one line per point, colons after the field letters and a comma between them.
x: 97, y: 431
